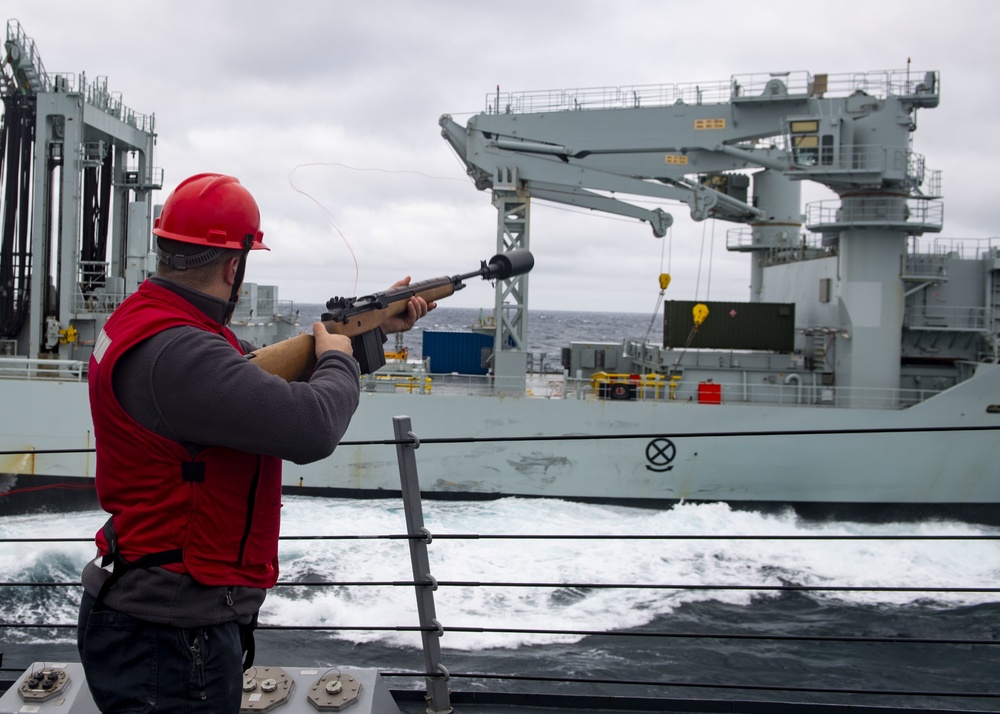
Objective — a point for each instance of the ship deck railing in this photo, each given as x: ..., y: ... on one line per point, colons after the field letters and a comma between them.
x: 947, y: 318
x: 34, y: 80
x: 926, y: 259
x: 916, y: 212
x: 739, y: 87
x: 433, y: 684
x: 652, y: 386
x: 102, y: 299
x: 957, y: 247
x: 265, y: 310
x: 37, y: 370
x: 649, y: 386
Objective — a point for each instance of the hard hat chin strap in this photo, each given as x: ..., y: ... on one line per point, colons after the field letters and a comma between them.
x: 238, y: 281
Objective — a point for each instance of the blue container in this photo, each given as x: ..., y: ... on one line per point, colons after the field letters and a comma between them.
x: 461, y: 352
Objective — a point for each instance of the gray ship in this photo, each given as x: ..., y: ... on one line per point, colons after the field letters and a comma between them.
x: 859, y: 376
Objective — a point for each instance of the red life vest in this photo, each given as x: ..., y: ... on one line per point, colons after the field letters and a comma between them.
x: 221, y: 508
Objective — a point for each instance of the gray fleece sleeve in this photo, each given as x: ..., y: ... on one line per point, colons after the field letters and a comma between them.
x: 203, y: 391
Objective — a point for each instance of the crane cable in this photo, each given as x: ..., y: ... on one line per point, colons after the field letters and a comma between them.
x: 700, y: 310
x: 664, y: 282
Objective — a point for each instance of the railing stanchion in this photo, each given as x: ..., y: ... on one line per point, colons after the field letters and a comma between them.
x: 438, y: 700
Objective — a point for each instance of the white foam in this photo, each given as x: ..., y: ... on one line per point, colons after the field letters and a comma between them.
x: 865, y: 563
x: 881, y: 563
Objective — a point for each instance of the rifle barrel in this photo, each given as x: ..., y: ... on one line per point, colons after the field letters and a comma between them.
x: 290, y: 358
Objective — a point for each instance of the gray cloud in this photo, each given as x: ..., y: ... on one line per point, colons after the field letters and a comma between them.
x: 344, y: 99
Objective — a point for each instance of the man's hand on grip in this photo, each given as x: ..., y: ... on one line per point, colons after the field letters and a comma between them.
x: 326, y: 341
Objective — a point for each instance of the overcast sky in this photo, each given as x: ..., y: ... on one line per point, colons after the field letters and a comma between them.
x: 328, y: 112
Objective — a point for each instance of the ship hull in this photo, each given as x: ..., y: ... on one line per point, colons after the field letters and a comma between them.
x: 941, y: 455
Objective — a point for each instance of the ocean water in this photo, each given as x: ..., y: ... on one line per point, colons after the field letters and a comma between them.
x: 701, y: 596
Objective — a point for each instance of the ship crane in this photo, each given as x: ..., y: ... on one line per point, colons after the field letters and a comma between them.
x: 736, y: 151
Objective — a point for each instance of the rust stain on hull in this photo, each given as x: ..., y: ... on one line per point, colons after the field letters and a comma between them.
x: 20, y: 464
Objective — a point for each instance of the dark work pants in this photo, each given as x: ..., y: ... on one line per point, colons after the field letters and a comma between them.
x: 137, y: 666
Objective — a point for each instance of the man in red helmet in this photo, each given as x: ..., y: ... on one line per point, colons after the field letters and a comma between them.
x: 190, y: 437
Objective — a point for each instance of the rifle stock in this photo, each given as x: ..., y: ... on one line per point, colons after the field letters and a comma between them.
x: 290, y: 358
x: 354, y: 317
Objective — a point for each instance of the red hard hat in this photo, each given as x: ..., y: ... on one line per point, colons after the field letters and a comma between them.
x: 212, y: 210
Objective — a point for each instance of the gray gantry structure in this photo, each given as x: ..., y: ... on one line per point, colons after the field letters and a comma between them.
x: 77, y: 168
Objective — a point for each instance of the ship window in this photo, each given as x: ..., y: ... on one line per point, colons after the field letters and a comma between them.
x: 805, y: 149
x: 826, y: 151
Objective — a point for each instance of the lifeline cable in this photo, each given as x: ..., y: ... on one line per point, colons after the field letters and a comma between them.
x: 329, y: 219
x: 659, y: 299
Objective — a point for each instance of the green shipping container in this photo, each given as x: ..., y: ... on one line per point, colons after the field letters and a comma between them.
x: 768, y: 326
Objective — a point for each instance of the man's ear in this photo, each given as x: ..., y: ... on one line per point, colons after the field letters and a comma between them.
x: 231, y: 266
